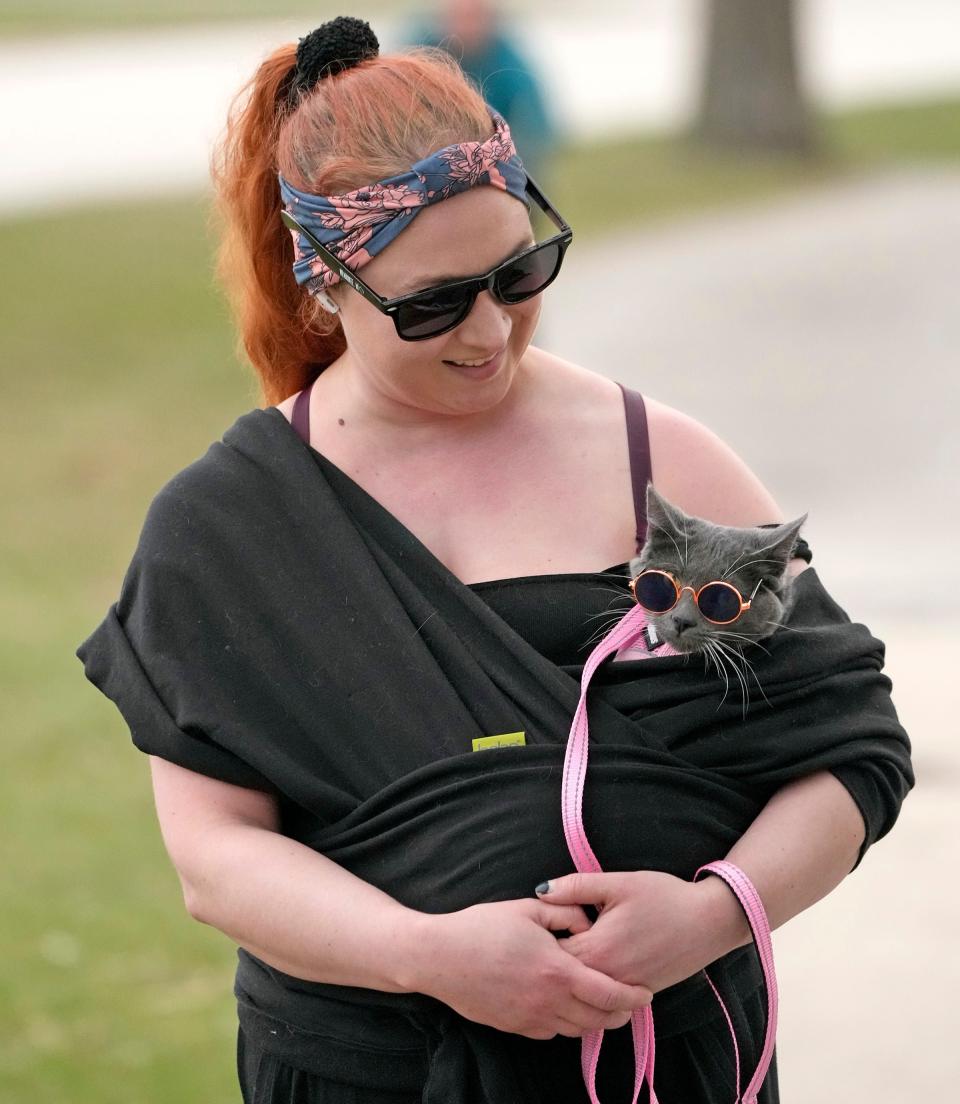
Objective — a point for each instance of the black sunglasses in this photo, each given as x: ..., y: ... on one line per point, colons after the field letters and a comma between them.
x: 434, y: 311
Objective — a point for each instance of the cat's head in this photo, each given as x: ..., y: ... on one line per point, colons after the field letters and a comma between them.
x: 695, y: 551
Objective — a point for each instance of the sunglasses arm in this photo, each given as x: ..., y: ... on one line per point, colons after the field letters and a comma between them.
x: 753, y: 595
x: 333, y: 262
x: 546, y: 206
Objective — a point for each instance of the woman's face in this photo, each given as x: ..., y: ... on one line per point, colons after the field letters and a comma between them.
x: 465, y: 235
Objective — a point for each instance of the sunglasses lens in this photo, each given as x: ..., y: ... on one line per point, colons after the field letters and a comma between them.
x: 719, y: 602
x: 655, y: 592
x: 434, y: 313
x: 529, y: 275
x: 440, y: 310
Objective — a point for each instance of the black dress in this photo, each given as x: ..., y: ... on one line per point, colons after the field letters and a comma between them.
x: 211, y: 672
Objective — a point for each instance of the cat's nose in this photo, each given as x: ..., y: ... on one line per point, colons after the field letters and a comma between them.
x: 681, y: 623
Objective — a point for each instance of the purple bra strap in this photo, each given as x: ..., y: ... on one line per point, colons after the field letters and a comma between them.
x: 300, y: 420
x: 638, y: 444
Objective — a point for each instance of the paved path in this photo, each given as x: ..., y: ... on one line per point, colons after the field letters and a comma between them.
x: 135, y: 112
x: 819, y: 335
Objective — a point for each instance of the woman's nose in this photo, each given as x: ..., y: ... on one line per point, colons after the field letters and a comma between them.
x: 488, y: 322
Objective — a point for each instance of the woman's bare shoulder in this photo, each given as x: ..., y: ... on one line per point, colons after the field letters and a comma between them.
x: 568, y: 385
x: 691, y: 465
x: 286, y: 407
x: 695, y: 469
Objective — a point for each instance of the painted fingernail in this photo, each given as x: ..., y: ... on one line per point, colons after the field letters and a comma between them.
x: 543, y: 887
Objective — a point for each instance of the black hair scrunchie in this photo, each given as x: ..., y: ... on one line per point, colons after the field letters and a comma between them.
x: 333, y: 47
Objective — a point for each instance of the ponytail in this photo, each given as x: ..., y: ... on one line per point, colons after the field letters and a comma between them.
x: 286, y: 335
x: 352, y: 128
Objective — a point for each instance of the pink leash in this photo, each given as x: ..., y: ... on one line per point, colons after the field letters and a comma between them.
x: 627, y: 633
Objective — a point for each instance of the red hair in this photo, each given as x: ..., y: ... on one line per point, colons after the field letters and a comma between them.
x: 351, y: 129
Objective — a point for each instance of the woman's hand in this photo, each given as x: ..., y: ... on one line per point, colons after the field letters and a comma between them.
x: 653, y: 929
x: 500, y: 964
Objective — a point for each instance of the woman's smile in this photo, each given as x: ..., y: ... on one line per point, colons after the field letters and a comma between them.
x: 478, y: 369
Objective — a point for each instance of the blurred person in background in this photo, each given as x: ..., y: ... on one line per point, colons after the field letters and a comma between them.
x: 475, y: 34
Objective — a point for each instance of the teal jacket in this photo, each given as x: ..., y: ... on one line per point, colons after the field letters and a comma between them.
x: 509, y: 84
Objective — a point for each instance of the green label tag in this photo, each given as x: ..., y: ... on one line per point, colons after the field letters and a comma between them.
x: 506, y: 739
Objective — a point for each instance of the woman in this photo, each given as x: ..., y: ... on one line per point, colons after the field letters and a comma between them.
x: 330, y: 612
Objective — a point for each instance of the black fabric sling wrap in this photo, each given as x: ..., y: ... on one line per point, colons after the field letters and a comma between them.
x: 279, y: 629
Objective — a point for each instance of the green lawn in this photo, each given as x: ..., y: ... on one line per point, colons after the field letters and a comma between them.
x: 109, y: 992
x: 31, y: 17
x: 18, y: 17
x: 636, y: 180
x: 117, y: 367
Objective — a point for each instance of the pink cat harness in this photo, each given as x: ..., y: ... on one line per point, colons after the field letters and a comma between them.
x: 626, y: 638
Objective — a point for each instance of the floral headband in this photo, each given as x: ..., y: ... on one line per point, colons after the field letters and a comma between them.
x: 358, y: 225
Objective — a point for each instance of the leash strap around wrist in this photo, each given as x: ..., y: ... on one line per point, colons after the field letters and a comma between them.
x: 760, y: 927
x: 627, y: 632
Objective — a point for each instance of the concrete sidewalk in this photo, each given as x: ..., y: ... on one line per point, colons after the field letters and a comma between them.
x: 819, y: 336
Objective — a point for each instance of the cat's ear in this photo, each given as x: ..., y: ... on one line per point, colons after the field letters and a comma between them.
x: 778, y: 543
x: 662, y: 514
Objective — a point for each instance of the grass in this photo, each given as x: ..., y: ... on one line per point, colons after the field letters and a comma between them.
x: 643, y: 179
x: 110, y: 993
x: 926, y: 130
x: 117, y: 367
x: 36, y: 17
x: 22, y: 17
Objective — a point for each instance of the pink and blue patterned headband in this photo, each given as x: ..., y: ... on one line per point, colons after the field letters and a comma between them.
x: 356, y: 226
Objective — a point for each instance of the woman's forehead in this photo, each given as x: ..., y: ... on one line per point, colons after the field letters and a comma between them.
x: 461, y: 236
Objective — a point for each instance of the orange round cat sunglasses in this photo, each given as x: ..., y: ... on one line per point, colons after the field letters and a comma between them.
x: 719, y: 602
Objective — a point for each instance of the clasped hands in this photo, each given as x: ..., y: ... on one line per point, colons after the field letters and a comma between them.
x: 653, y: 929
x: 501, y: 963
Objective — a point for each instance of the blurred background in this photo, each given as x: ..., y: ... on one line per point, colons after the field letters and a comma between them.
x: 766, y: 199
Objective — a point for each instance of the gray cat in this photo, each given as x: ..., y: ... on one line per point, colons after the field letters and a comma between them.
x: 686, y: 553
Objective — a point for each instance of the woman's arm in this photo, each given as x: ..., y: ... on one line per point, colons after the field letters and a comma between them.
x: 802, y: 845
x: 692, y: 468
x: 804, y: 842
x: 240, y: 875
x: 655, y: 929
x: 807, y: 838
x: 300, y: 912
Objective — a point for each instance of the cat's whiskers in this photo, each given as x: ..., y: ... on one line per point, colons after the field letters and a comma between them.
x: 709, y: 654
x: 748, y: 552
x: 725, y: 649
x: 596, y: 637
x: 748, y: 666
x: 653, y: 525
x: 741, y: 567
x: 609, y: 612
x: 602, y: 630
x: 603, y: 613
x: 753, y: 551
x: 788, y: 628
x: 741, y: 636
x: 616, y: 592
x: 725, y: 662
